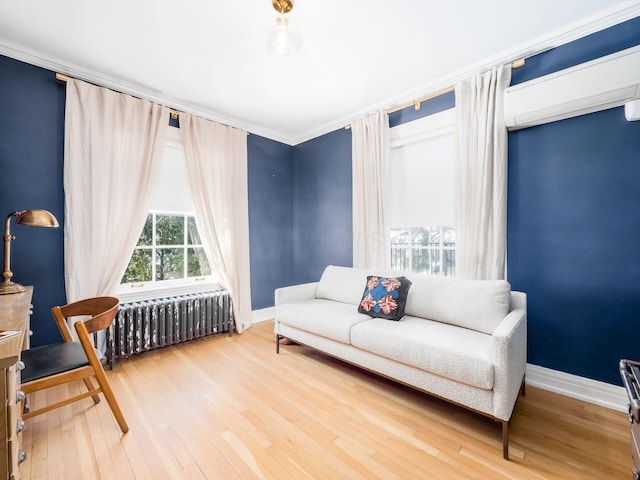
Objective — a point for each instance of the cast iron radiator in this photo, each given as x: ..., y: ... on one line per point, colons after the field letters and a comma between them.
x: 149, y: 324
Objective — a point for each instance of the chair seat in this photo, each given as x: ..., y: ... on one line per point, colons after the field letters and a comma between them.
x: 48, y: 360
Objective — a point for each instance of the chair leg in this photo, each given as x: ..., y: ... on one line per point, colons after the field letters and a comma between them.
x: 89, y: 384
x: 111, y: 399
x: 278, y: 338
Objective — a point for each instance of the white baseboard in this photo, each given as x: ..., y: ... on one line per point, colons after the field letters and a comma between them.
x: 263, y: 314
x: 581, y: 388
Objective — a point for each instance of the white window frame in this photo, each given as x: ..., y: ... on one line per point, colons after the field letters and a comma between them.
x: 440, y: 123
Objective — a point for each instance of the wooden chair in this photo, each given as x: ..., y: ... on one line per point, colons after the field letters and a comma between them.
x: 61, y: 363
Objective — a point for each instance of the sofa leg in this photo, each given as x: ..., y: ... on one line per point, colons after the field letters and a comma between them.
x: 523, y: 389
x: 278, y: 337
x: 505, y: 439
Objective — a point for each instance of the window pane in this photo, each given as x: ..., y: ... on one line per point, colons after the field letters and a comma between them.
x: 425, y: 260
x: 424, y: 250
x: 139, y: 269
x: 449, y: 262
x: 197, y: 263
x: 146, y: 237
x: 449, y: 236
x: 169, y: 263
x: 193, y: 237
x: 399, y: 243
x: 169, y: 230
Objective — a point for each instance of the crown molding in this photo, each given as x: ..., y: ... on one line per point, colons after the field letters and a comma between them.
x: 56, y: 65
x: 592, y: 24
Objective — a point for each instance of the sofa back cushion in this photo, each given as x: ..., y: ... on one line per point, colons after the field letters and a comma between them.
x: 344, y: 284
x: 475, y: 304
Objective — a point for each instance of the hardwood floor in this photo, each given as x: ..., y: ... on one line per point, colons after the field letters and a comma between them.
x: 230, y: 408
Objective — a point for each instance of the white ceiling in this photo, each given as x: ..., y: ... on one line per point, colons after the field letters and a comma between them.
x: 208, y: 56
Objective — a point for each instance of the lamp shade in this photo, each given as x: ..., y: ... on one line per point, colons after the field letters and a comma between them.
x: 37, y: 218
x: 31, y: 218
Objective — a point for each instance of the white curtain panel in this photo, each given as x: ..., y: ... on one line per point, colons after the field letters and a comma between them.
x: 216, y: 160
x: 113, y: 146
x: 370, y: 169
x: 481, y: 172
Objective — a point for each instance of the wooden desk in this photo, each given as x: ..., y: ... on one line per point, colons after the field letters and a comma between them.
x: 14, y: 315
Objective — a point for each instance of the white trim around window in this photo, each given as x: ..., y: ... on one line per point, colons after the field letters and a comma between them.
x: 131, y: 293
x: 430, y: 126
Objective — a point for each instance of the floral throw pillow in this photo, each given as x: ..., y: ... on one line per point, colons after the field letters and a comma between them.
x: 385, y: 297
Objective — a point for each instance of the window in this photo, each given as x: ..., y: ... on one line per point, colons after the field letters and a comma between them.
x: 169, y: 256
x: 424, y: 250
x: 423, y: 234
x: 169, y: 248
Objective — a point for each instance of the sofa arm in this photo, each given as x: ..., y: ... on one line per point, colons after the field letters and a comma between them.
x: 296, y: 293
x: 509, y: 357
x: 292, y: 294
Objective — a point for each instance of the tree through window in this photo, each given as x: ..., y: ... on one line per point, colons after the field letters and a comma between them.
x: 169, y: 248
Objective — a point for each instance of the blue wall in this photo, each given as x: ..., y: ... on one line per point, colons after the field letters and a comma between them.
x: 430, y: 107
x: 596, y: 45
x: 270, y: 218
x: 574, y: 224
x: 322, y: 222
x: 574, y: 240
x: 31, y: 157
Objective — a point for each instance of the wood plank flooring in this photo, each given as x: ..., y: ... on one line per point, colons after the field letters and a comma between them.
x: 226, y: 408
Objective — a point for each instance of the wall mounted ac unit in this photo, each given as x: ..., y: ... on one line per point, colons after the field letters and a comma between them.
x: 606, y: 82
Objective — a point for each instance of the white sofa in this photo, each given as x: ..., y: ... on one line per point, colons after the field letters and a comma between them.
x: 461, y: 340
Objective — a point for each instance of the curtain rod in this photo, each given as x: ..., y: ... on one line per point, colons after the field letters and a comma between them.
x: 63, y: 78
x: 417, y: 104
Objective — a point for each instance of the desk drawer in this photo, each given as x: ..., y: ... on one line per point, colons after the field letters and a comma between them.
x: 15, y: 424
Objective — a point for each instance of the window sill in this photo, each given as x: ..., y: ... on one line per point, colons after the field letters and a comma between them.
x: 130, y: 294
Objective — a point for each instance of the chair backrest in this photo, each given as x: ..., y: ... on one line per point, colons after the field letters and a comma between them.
x: 101, y: 310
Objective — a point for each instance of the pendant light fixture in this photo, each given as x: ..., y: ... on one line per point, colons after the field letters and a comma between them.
x: 281, y: 38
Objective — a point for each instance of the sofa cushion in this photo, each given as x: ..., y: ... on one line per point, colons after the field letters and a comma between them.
x: 344, y: 284
x: 384, y: 297
x: 452, y: 352
x: 322, y: 317
x: 475, y: 304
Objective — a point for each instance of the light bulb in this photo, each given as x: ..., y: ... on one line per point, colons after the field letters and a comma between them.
x: 282, y: 39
